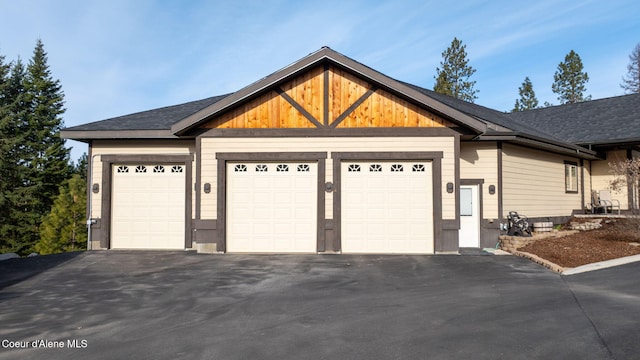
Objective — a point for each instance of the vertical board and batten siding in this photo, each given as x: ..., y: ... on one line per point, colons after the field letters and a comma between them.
x: 211, y: 146
x: 480, y: 161
x: 380, y: 109
x: 601, y: 176
x: 131, y: 147
x: 533, y: 183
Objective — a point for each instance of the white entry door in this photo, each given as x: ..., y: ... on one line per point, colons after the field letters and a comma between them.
x: 469, y: 234
x: 272, y: 207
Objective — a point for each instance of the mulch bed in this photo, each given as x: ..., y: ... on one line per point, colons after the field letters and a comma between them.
x: 614, y: 240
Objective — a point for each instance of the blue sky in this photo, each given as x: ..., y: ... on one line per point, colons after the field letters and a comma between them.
x: 121, y: 56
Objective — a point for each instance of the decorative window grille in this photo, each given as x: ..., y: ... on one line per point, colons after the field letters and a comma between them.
x: 418, y: 168
x: 158, y: 169
x: 303, y: 168
x: 397, y: 168
x: 282, y: 168
x: 123, y: 169
x: 240, y: 168
x: 353, y: 168
x: 375, y: 168
x: 177, y: 169
x: 141, y: 169
x: 262, y: 168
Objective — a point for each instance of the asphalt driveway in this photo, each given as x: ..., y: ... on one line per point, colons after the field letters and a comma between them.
x: 156, y: 305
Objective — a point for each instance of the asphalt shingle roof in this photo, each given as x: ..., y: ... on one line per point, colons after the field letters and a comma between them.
x: 610, y: 120
x: 486, y: 114
x: 156, y: 119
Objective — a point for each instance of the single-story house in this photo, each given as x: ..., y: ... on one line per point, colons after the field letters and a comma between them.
x: 330, y: 156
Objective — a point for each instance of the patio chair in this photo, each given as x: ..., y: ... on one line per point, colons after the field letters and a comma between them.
x: 594, y: 207
x: 607, y: 202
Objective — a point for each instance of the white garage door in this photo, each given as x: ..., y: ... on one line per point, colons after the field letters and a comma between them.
x: 148, y: 207
x: 387, y: 207
x: 272, y: 207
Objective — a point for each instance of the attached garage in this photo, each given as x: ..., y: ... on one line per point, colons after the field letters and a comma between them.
x: 148, y: 206
x: 387, y: 207
x: 272, y: 207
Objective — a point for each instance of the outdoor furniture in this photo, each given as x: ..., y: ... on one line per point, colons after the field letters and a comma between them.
x: 594, y: 207
x: 518, y: 225
x: 607, y: 202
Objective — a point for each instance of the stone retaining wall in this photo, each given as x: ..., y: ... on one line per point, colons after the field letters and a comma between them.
x: 512, y: 243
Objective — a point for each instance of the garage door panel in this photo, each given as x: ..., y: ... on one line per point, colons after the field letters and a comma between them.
x: 148, y: 207
x: 279, y: 207
x: 387, y: 207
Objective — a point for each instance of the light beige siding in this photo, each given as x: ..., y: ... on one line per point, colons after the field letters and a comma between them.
x: 479, y: 160
x: 210, y: 146
x: 601, y: 176
x: 130, y: 147
x: 534, y: 183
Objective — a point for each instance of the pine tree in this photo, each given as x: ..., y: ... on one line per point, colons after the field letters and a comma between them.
x: 631, y: 83
x: 48, y: 159
x: 14, y: 232
x: 528, y: 100
x: 6, y: 143
x: 569, y: 80
x: 82, y: 166
x: 64, y: 229
x: 453, y: 78
x: 35, y: 161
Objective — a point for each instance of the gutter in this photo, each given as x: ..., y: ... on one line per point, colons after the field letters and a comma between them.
x: 537, y: 142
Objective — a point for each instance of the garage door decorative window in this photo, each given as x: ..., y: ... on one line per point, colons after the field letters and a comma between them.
x: 354, y: 168
x: 375, y: 168
x: 282, y: 168
x: 240, y: 168
x: 123, y: 169
x: 141, y: 169
x: 418, y: 168
x: 303, y: 168
x: 176, y: 169
x: 262, y: 168
x: 397, y: 168
x: 158, y: 169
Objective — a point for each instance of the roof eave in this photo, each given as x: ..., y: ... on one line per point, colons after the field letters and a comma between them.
x: 617, y: 142
x: 84, y: 135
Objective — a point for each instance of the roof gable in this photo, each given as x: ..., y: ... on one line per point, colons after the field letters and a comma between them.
x: 310, y: 66
x: 325, y: 97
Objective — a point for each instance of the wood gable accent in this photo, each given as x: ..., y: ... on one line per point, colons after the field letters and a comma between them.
x: 326, y: 97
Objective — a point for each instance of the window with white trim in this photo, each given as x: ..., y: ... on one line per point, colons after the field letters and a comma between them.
x: 570, y: 177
